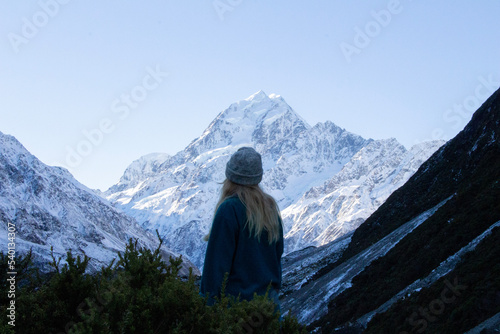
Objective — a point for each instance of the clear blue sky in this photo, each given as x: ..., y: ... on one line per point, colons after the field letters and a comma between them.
x: 411, y: 70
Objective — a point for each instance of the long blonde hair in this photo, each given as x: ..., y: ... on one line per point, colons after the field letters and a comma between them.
x: 261, y: 209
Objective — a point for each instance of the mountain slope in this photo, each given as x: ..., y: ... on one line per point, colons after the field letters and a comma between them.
x: 49, y: 208
x: 449, y: 245
x: 311, y: 300
x: 471, y: 155
x: 351, y: 195
x: 178, y: 198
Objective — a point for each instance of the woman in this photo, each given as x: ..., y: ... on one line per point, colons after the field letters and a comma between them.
x: 246, y: 239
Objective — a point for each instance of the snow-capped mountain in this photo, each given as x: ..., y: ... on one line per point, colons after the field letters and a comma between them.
x: 49, y: 208
x: 326, y: 180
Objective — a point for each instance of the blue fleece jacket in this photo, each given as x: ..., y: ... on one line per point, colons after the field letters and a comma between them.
x: 251, y: 265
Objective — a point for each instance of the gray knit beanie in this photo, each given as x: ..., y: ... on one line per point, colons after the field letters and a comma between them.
x: 245, y: 167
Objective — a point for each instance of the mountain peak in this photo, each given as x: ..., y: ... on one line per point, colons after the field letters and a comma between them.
x: 11, y: 148
x: 257, y: 119
x: 260, y: 95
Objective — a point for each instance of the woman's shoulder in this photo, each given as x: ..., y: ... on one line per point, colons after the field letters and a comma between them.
x: 231, y: 202
x: 231, y: 207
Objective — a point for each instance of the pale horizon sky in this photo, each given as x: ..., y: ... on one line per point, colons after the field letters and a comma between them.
x: 150, y: 76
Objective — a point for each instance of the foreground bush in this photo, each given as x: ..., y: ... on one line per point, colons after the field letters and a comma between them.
x: 138, y: 294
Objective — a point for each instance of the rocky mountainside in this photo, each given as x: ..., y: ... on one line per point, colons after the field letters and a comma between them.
x: 326, y: 180
x: 49, y: 208
x: 426, y: 261
x: 351, y: 195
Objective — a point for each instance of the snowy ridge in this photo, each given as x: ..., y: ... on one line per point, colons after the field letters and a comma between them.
x: 300, y: 266
x: 311, y: 302
x: 177, y: 197
x: 141, y: 169
x: 444, y: 268
x: 51, y: 209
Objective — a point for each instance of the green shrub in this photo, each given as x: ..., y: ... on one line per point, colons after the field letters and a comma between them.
x: 140, y: 293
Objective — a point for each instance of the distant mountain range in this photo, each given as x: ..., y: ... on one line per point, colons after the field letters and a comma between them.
x: 326, y: 180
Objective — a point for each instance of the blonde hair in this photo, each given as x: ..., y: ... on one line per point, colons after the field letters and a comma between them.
x: 261, y: 209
